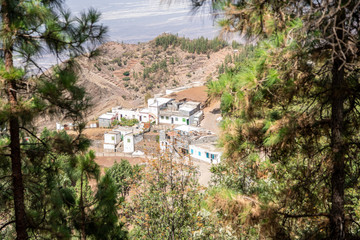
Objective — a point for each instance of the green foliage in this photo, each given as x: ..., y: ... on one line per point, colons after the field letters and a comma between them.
x: 277, y: 101
x: 118, y: 61
x: 46, y: 188
x: 127, y: 73
x: 97, y: 67
x: 57, y: 182
x: 155, y: 67
x: 125, y: 121
x: 172, y: 60
x: 200, y: 45
x: 235, y: 44
x: 95, y: 214
x: 165, y: 204
x: 126, y: 79
x: 124, y: 176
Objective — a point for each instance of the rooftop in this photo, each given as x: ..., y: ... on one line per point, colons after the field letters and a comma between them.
x: 144, y: 110
x: 159, y: 101
x: 187, y: 128
x: 108, y: 116
x: 112, y: 132
x: 172, y: 113
x: 211, y: 147
x: 189, y: 106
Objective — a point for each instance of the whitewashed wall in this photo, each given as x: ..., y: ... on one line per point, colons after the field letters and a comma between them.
x: 129, y: 144
x: 112, y: 138
x: 201, y: 154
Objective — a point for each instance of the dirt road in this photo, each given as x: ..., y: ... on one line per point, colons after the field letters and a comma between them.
x: 211, y: 114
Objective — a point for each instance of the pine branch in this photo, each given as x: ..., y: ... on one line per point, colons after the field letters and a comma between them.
x: 6, y: 224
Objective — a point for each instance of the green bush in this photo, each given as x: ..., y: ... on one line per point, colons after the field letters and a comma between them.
x: 200, y: 45
x: 127, y: 73
x: 128, y: 122
x: 126, y: 78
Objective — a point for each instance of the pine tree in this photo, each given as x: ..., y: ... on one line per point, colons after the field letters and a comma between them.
x: 292, y: 112
x: 165, y: 204
x: 95, y: 214
x: 28, y: 28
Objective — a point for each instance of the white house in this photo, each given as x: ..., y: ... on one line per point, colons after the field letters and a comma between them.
x: 160, y: 110
x: 106, y: 119
x: 188, y: 130
x: 183, y: 136
x: 142, y: 115
x: 146, y: 116
x: 198, y: 116
x: 180, y: 113
x: 207, y: 152
x: 129, y: 143
x: 156, y: 104
x: 111, y: 141
x: 59, y: 127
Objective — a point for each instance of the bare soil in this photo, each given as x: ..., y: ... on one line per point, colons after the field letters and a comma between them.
x: 104, y: 80
x: 211, y: 114
x: 196, y: 94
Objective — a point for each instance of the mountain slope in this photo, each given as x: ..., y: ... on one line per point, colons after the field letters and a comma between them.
x: 122, y: 74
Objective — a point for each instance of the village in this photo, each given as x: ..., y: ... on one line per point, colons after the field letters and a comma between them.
x: 177, y: 122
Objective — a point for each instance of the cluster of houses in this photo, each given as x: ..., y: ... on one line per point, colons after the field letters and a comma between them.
x: 185, y: 138
x: 159, y: 111
x: 123, y: 139
x: 191, y: 141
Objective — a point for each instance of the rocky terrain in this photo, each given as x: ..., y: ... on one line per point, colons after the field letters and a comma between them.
x: 123, y: 74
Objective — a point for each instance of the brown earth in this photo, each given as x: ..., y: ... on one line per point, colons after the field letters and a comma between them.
x: 104, y: 80
x: 211, y: 114
x: 196, y: 94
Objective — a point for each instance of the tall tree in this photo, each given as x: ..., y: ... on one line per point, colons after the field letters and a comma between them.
x: 28, y: 29
x: 166, y: 202
x: 295, y: 103
x: 95, y: 214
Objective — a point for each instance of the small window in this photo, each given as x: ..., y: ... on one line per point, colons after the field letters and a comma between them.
x: 213, y: 156
x: 192, y: 151
x: 184, y: 120
x: 208, y: 155
x: 162, y: 117
x: 128, y: 140
x: 167, y: 118
x: 199, y: 153
x: 113, y: 138
x: 176, y: 119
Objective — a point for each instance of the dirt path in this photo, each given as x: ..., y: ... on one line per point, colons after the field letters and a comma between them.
x: 211, y: 113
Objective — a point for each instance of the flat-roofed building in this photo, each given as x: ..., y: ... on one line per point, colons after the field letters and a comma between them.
x: 106, y: 119
x: 207, y: 152
x: 111, y: 141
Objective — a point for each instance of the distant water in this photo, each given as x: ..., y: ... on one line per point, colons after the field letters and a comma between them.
x: 133, y: 21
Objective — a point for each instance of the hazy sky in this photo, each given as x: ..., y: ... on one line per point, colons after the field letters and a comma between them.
x: 133, y: 21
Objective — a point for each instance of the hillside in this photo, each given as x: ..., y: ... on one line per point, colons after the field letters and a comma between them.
x: 122, y: 74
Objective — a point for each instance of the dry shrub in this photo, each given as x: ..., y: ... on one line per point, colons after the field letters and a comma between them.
x: 247, y: 217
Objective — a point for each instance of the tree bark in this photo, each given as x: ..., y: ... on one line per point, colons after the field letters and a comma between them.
x: 82, y: 208
x: 11, y: 88
x: 337, y: 216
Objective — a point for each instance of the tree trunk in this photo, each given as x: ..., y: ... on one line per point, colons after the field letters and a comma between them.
x: 337, y: 216
x: 17, y: 179
x: 82, y: 209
